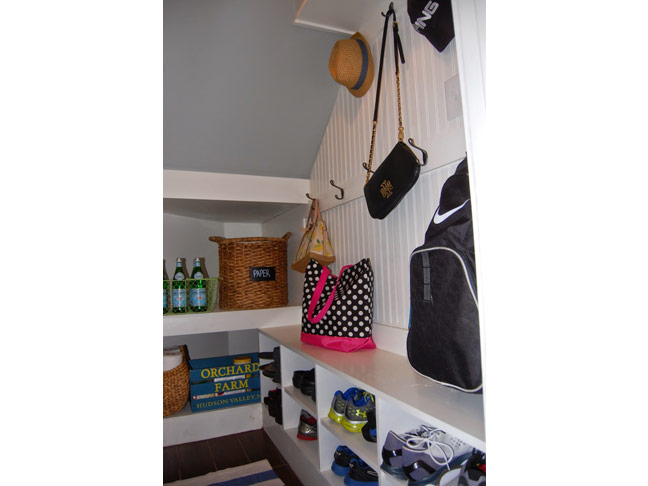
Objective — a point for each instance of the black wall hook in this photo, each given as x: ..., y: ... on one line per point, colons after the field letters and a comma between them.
x: 424, y: 152
x: 338, y: 187
x: 390, y: 10
x: 308, y: 196
x: 366, y: 167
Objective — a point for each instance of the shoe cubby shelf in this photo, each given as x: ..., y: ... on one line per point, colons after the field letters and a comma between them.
x: 220, y: 321
x: 404, y: 400
x: 304, y: 401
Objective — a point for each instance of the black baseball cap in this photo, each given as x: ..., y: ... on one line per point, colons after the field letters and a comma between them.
x: 433, y: 19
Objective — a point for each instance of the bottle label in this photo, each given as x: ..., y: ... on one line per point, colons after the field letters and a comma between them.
x: 178, y: 298
x: 198, y: 297
x: 164, y: 298
x: 178, y: 276
x: 198, y: 275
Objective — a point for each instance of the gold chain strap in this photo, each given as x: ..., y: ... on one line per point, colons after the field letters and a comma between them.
x: 371, y: 150
x: 401, y: 130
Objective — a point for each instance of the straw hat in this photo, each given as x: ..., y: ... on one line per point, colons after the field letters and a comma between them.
x: 351, y: 64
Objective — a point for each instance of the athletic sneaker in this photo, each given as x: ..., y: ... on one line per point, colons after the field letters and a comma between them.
x: 307, y: 429
x: 473, y: 473
x: 360, y: 474
x: 424, y: 456
x: 338, y: 404
x: 342, y: 458
x: 272, y: 394
x: 392, y: 451
x: 355, y: 414
x: 369, y: 429
x: 445, y: 476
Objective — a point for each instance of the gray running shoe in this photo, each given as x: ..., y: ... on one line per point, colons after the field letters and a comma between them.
x: 425, y: 456
x: 339, y: 402
x: 355, y: 414
x: 392, y: 451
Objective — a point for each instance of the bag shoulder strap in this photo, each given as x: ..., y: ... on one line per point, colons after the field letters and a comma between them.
x: 318, y: 293
x: 398, y: 49
x: 318, y: 217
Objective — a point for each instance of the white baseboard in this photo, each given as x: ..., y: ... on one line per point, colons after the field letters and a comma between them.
x: 390, y: 339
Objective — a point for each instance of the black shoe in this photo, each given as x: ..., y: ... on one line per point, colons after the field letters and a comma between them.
x: 269, y: 370
x: 268, y: 354
x: 298, y: 377
x: 361, y: 474
x: 369, y: 429
x: 308, y: 383
x: 272, y: 394
x: 274, y: 407
x: 342, y: 458
x: 277, y: 361
x: 473, y: 473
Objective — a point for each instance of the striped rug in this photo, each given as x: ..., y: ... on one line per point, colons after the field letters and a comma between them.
x: 255, y: 474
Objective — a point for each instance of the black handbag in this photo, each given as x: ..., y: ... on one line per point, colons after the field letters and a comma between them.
x: 401, y: 169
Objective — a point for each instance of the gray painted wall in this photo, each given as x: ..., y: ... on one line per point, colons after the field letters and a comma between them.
x: 245, y: 90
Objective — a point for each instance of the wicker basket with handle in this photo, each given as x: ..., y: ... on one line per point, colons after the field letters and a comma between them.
x: 252, y: 272
x: 176, y: 387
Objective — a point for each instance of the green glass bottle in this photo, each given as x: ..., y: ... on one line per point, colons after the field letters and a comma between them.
x: 197, y: 288
x: 165, y: 290
x: 179, y: 289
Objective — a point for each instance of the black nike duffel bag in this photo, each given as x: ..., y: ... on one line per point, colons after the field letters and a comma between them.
x: 443, y: 339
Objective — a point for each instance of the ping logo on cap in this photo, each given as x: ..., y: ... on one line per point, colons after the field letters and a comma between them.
x: 428, y: 12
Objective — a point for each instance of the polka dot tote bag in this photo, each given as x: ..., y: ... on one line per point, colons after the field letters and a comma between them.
x: 337, y: 311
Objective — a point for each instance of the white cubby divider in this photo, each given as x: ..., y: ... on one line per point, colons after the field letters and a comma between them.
x: 266, y: 345
x: 309, y: 448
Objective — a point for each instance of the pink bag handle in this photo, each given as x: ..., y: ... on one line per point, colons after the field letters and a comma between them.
x: 318, y: 293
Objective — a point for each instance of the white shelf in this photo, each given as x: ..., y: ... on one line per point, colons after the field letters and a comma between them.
x: 389, y: 480
x: 269, y: 423
x: 220, y: 321
x: 212, y: 186
x: 308, y: 447
x: 390, y: 377
x: 301, y: 462
x: 304, y: 401
x: 332, y: 478
x: 187, y: 426
x: 346, y: 16
x: 367, y: 451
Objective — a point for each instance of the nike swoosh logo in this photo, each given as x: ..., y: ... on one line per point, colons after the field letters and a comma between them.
x: 440, y: 218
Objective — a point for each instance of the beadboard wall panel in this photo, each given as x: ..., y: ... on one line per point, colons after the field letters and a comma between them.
x: 345, y: 145
x: 388, y: 243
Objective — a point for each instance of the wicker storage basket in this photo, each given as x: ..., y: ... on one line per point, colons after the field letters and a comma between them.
x: 252, y: 272
x: 176, y: 387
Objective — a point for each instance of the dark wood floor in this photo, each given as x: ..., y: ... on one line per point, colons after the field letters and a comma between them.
x: 198, y: 458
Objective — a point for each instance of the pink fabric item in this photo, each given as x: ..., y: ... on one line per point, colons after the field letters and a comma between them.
x: 318, y: 293
x: 345, y: 344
